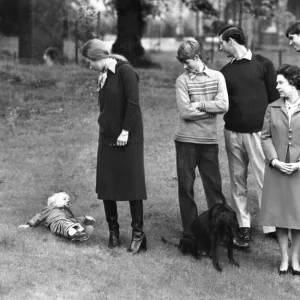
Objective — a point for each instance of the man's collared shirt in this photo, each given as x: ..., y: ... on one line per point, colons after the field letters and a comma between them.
x: 205, y: 71
x: 248, y: 56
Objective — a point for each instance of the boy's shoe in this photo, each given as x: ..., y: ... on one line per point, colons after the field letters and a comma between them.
x: 80, y: 237
x: 244, y: 234
x: 188, y: 246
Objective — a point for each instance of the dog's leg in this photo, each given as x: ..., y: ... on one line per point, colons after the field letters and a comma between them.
x: 230, y: 255
x: 215, y: 258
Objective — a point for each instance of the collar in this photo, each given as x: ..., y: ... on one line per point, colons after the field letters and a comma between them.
x: 206, y: 71
x: 281, y: 102
x: 290, y: 105
x: 112, y: 65
x: 248, y: 56
x: 278, y: 103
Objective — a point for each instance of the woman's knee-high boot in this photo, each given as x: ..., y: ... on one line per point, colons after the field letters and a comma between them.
x: 138, y: 242
x: 111, y: 214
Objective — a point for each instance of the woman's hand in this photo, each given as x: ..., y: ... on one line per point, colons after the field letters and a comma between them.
x: 294, y: 166
x: 123, y: 138
x: 284, y: 167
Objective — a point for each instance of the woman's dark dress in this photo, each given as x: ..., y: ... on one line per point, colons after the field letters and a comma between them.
x: 120, y: 170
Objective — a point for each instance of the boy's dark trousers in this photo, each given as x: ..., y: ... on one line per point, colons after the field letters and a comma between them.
x: 205, y: 157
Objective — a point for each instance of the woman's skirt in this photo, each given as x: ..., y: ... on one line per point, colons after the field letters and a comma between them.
x: 280, y: 204
x: 120, y: 172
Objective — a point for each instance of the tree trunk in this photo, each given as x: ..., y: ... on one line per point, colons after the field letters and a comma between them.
x: 281, y: 9
x: 24, y: 12
x: 130, y: 28
x: 9, y: 17
x: 241, y: 10
x: 248, y: 25
x: 41, y: 26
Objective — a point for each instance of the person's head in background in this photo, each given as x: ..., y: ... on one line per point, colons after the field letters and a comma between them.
x: 288, y: 81
x: 51, y: 56
x: 293, y: 34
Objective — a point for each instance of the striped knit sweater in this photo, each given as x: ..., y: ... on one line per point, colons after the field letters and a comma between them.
x: 199, y: 100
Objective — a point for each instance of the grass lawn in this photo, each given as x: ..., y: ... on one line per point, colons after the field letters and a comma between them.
x: 48, y: 143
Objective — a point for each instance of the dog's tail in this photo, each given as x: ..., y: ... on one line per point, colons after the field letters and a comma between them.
x: 168, y: 242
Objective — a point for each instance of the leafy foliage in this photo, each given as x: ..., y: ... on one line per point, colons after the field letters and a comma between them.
x: 201, y: 5
x: 268, y: 9
x: 157, y: 7
x: 149, y: 7
x: 265, y: 8
x: 82, y: 15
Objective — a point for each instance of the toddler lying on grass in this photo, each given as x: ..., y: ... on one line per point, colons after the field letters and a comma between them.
x: 58, y: 217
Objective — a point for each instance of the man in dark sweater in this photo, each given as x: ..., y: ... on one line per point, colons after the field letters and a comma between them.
x: 251, y: 84
x: 293, y: 34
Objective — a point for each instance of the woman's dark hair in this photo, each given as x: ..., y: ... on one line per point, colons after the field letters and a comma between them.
x: 234, y: 32
x: 293, y: 29
x: 291, y: 74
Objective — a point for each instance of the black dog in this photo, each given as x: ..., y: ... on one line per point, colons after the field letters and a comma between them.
x: 214, y: 227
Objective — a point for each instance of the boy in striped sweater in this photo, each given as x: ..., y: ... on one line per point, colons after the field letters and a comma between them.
x: 201, y: 94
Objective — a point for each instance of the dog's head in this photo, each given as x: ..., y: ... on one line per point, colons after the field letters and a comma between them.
x: 59, y: 199
x: 224, y: 222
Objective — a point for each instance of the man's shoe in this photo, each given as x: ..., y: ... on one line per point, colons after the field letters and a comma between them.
x: 244, y: 234
x: 240, y: 244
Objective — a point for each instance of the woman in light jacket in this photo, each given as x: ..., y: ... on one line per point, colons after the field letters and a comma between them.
x: 281, y: 145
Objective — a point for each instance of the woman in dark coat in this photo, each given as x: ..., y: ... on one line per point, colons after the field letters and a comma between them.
x: 120, y: 162
x: 281, y: 146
